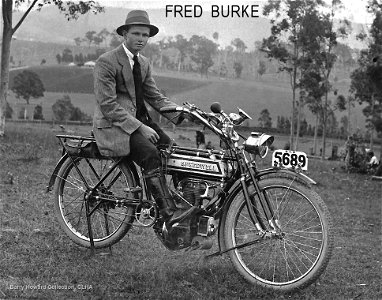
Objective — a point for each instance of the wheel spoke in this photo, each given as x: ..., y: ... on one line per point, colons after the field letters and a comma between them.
x: 285, y: 256
x: 109, y: 222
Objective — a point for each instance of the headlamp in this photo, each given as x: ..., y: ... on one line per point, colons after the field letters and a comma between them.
x: 258, y: 143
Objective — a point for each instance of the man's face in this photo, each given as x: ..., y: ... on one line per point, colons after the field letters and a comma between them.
x: 136, y: 38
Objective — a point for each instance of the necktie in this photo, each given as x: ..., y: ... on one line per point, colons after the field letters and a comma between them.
x: 141, y: 108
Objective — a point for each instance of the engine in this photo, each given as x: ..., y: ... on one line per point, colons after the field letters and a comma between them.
x: 197, y: 176
x: 195, y: 231
x: 191, y: 190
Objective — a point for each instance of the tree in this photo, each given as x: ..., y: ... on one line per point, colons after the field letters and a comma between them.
x: 78, y: 115
x: 183, y: 47
x: 78, y: 41
x: 63, y: 108
x: 70, y: 9
x: 344, y: 126
x: 366, y: 80
x: 202, y: 50
x: 97, y: 40
x: 238, y: 67
x: 284, y: 43
x: 8, y: 111
x: 104, y: 34
x: 265, y: 120
x: 115, y: 40
x: 280, y: 123
x: 215, y: 36
x: 318, y: 39
x: 67, y: 56
x: 59, y: 58
x: 262, y: 68
x: 152, y: 51
x: 325, y: 56
x: 239, y: 45
x: 37, y: 114
x: 28, y: 84
x: 89, y: 37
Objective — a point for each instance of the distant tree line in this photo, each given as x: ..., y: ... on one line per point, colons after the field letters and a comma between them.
x: 336, y: 130
x: 67, y: 56
x: 195, y: 54
x: 103, y: 38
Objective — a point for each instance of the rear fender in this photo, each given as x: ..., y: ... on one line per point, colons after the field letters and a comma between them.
x: 130, y: 164
x: 65, y: 157
x: 55, y: 172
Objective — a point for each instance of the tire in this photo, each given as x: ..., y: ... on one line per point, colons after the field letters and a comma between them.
x: 290, y: 260
x: 109, y: 222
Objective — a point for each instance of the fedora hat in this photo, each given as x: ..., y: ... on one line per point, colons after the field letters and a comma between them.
x: 138, y: 17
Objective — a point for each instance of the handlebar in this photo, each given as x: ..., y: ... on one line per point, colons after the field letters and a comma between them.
x: 218, y: 121
x: 171, y: 109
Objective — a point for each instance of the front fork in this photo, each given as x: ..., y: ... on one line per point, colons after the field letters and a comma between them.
x: 265, y: 203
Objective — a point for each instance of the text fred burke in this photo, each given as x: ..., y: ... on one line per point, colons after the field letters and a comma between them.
x: 225, y: 11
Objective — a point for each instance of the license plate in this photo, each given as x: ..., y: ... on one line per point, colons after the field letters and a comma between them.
x: 290, y: 159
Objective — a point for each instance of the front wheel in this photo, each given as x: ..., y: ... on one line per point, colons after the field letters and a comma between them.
x: 294, y: 255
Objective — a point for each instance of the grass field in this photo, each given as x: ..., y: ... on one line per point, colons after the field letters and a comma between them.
x: 37, y: 260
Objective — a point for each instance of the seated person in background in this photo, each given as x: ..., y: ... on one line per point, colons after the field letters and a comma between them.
x: 373, y: 162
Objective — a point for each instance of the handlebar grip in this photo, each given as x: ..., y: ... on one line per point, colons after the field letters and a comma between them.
x: 170, y: 109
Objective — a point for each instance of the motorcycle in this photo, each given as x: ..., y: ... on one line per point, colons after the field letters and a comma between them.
x: 275, y: 228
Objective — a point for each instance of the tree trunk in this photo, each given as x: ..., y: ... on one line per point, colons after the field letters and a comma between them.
x: 160, y: 60
x: 298, y: 122
x: 179, y: 61
x: 293, y: 84
x: 324, y: 120
x: 315, y: 135
x: 5, y: 55
x: 372, y: 124
x: 292, y: 120
x: 349, y: 115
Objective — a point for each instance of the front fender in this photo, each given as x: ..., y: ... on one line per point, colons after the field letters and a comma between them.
x: 277, y: 172
x: 55, y: 172
x: 266, y: 173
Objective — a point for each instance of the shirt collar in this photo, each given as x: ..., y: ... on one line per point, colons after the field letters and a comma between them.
x: 128, y: 52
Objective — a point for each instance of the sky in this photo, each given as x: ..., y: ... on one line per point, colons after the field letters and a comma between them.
x: 354, y: 10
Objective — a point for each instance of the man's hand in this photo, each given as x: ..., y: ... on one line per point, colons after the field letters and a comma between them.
x: 149, y: 133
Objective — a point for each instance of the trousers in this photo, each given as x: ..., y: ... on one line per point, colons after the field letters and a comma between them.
x: 143, y: 152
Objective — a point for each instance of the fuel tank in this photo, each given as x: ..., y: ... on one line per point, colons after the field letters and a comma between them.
x: 198, y: 163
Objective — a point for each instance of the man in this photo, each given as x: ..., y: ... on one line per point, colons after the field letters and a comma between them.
x: 122, y: 126
x: 373, y: 160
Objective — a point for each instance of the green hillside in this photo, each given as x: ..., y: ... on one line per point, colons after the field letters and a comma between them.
x: 270, y: 92
x: 73, y: 79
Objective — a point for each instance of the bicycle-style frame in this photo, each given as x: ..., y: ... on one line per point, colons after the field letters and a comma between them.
x: 245, y: 175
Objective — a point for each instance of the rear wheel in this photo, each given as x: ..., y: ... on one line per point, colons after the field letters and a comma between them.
x: 110, y: 221
x: 291, y: 257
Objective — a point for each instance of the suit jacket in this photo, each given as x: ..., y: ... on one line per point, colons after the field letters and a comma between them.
x: 115, y: 111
